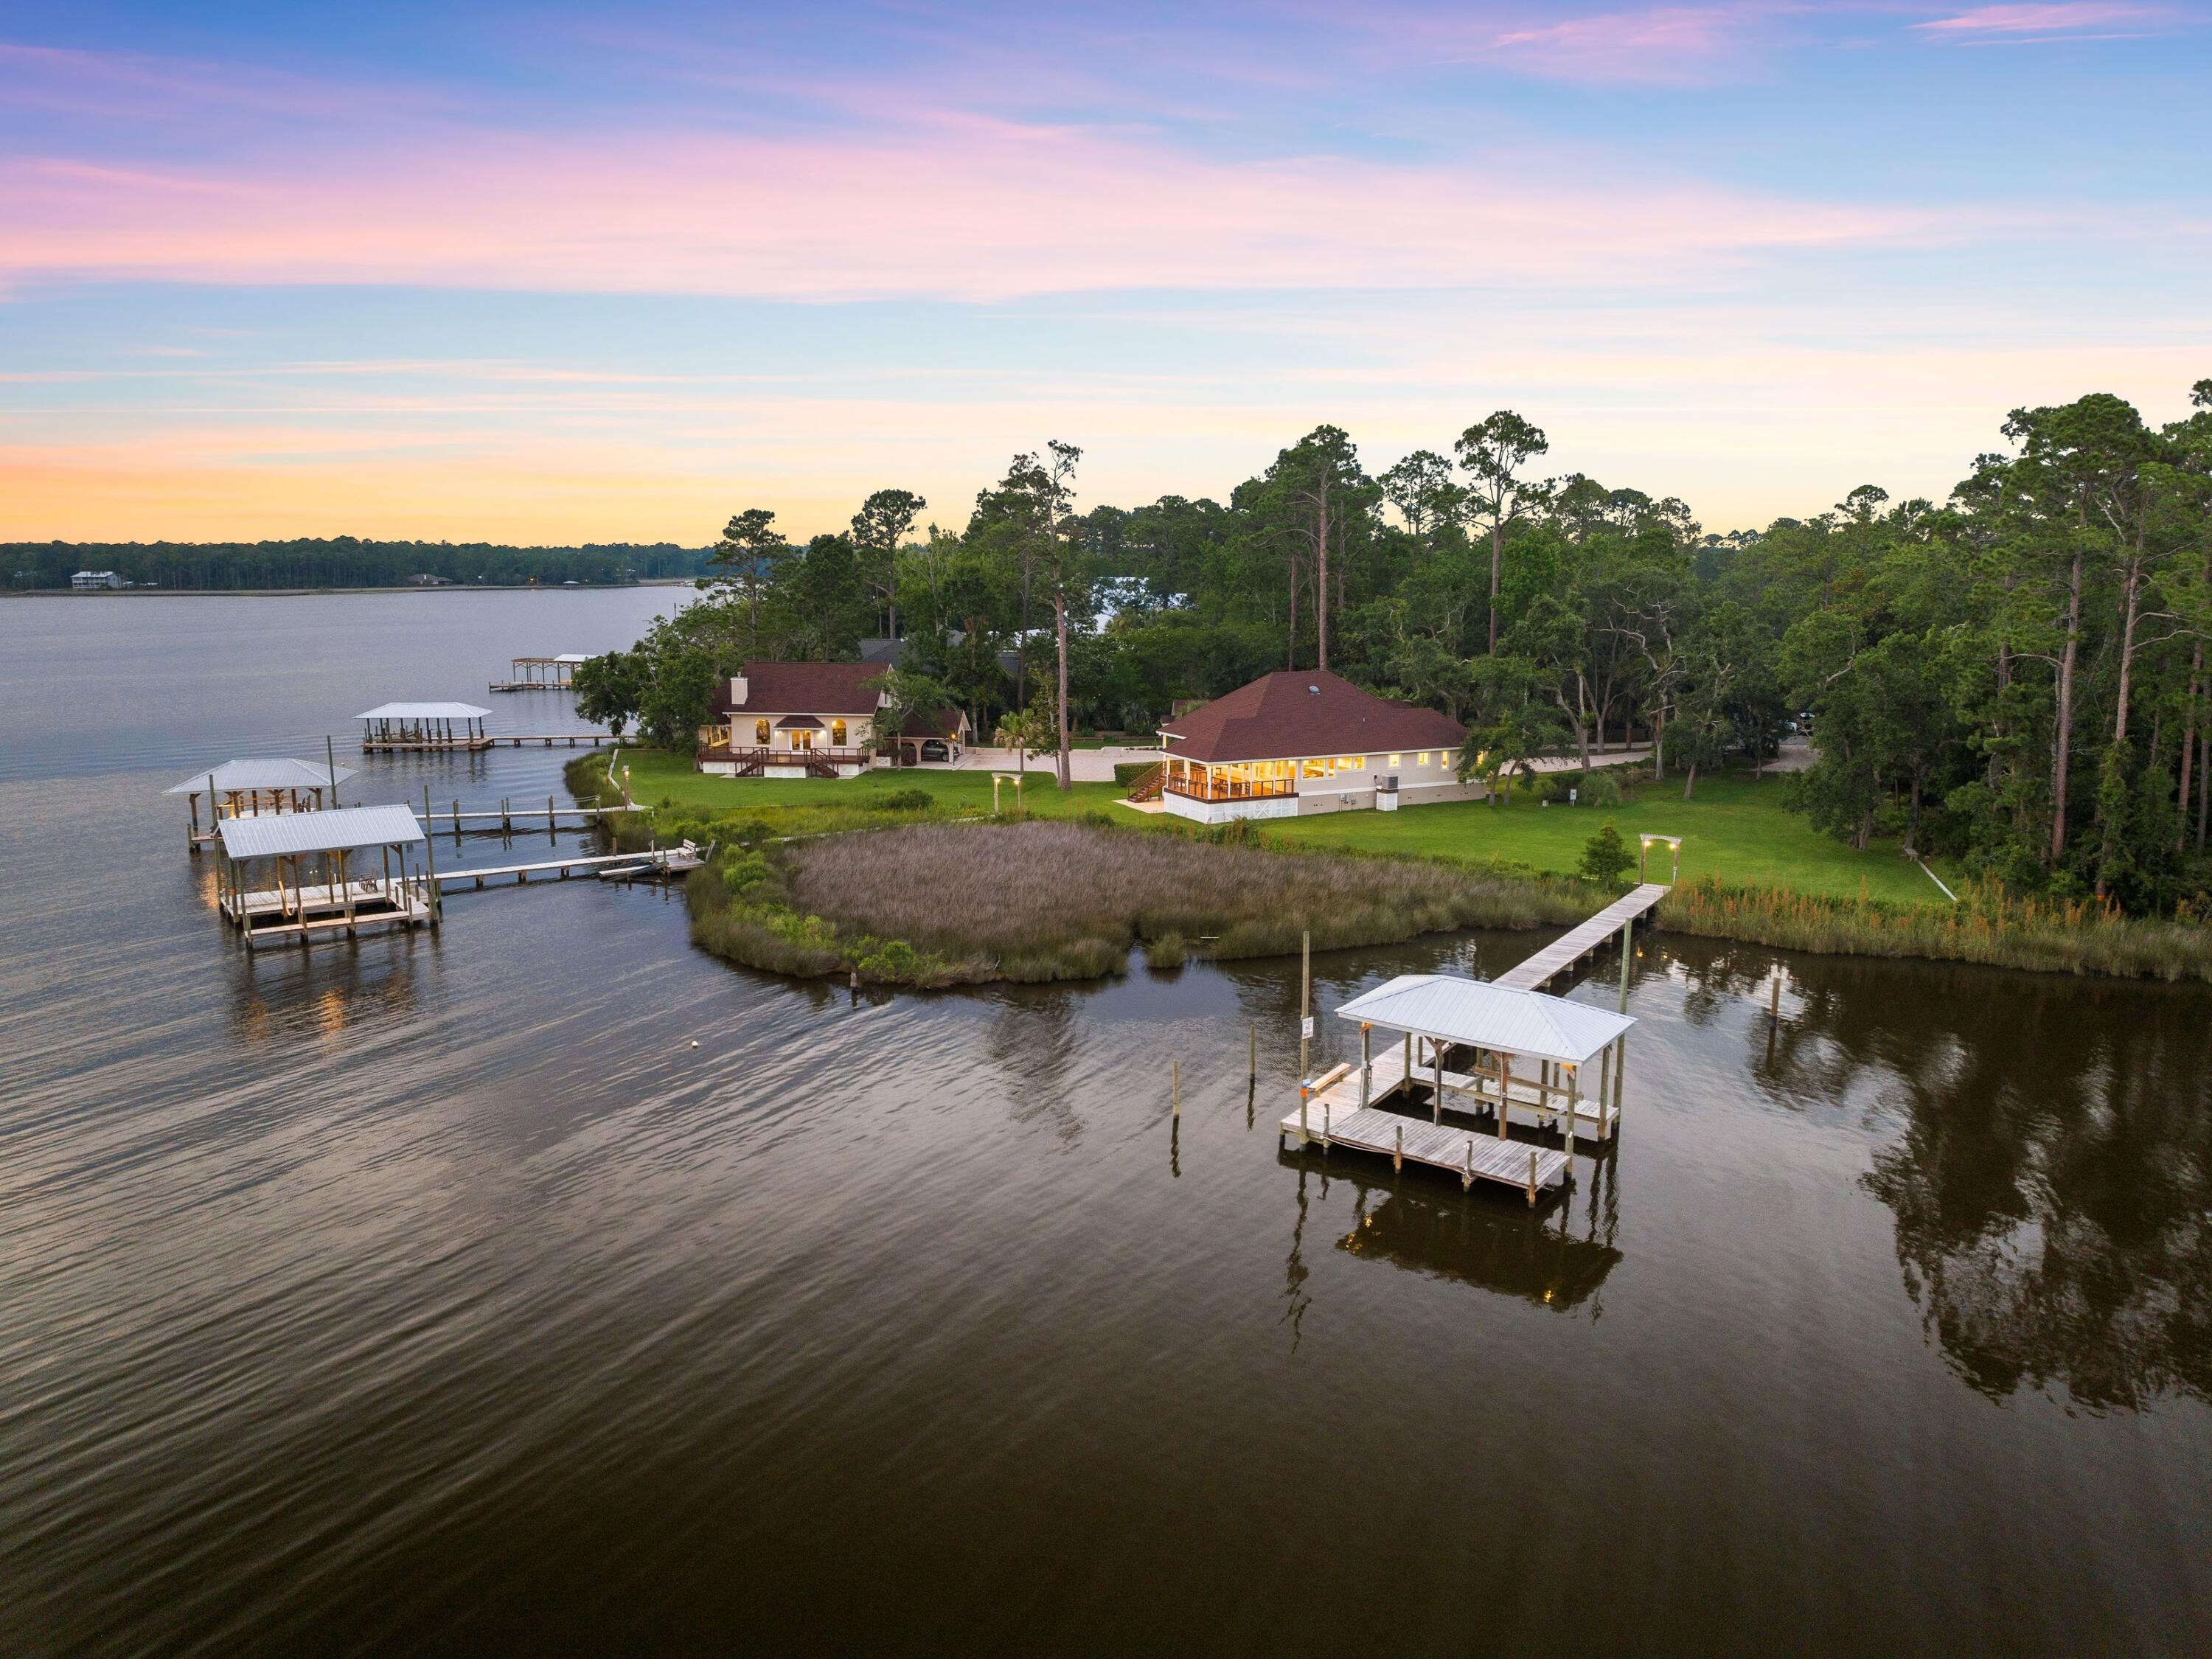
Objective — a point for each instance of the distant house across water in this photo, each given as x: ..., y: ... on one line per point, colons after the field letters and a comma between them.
x: 95, y: 581
x: 1305, y: 741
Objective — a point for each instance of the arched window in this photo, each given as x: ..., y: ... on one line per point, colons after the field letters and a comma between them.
x: 837, y: 734
x: 760, y: 733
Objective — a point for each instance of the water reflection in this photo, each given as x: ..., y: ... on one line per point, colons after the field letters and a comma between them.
x: 2052, y: 1175
x: 1557, y: 1257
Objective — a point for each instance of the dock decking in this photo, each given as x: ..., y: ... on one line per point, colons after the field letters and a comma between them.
x: 1334, y: 1117
x: 1562, y: 953
x: 668, y: 860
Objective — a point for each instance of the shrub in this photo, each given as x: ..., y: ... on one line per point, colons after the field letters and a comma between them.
x: 1600, y: 790
x: 1128, y: 772
x: 1606, y: 857
x: 903, y: 800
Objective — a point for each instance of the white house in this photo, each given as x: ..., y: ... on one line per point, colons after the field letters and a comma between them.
x: 797, y: 720
x: 1304, y: 741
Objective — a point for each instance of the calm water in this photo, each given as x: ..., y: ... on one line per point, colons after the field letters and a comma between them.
x: 438, y: 1293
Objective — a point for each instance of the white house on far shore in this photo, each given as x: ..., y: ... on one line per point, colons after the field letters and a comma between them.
x: 1299, y: 742
x: 798, y: 719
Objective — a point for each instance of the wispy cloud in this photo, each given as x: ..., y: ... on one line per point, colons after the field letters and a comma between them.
x: 2071, y: 18
x: 1660, y: 44
x: 957, y: 207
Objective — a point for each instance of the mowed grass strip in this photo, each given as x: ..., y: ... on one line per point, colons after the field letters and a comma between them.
x: 1043, y: 899
x: 1735, y: 830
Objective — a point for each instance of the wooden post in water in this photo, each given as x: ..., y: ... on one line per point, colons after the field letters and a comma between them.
x: 1774, y: 996
x: 1175, y: 1086
x: 1252, y: 1075
x: 1366, y: 1065
x: 1398, y: 1149
x: 551, y: 833
x: 432, y: 893
x: 331, y: 754
x: 1627, y: 950
x: 1437, y: 1101
x: 1504, y: 1089
x: 1305, y: 1004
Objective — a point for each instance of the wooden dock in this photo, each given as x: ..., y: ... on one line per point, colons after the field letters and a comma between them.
x: 1334, y: 1116
x: 666, y: 861
x: 1571, y: 947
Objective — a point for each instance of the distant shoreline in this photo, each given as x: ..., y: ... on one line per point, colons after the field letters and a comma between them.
x: 303, y: 592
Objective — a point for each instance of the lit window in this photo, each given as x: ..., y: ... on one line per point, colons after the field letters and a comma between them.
x: 837, y: 734
x: 1421, y: 759
x: 1396, y: 761
x: 1315, y: 768
x: 1352, y: 764
x: 760, y: 732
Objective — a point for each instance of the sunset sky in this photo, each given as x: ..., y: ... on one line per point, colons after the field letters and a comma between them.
x: 557, y: 273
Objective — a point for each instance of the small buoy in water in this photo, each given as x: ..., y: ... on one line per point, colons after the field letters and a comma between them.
x: 695, y: 1042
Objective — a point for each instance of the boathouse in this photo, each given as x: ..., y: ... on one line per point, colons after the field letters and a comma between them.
x: 256, y: 788
x: 400, y: 727
x: 1305, y: 741
x: 798, y: 719
x: 1474, y: 1049
x: 556, y: 673
x: 286, y: 879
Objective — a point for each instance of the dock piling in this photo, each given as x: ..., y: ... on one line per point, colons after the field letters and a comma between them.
x: 1174, y: 1087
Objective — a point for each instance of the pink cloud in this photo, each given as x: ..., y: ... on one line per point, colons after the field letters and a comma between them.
x: 959, y: 206
x: 1666, y: 43
x: 2070, y: 18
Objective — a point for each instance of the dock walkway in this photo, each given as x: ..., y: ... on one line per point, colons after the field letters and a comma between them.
x: 669, y: 859
x: 1564, y: 952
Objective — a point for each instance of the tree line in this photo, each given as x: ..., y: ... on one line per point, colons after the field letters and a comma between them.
x: 2014, y: 678
x: 343, y: 562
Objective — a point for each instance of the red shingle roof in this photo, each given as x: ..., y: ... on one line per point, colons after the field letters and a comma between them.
x: 1295, y: 713
x: 804, y: 687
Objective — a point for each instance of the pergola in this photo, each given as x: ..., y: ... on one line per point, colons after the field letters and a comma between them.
x: 251, y: 788
x: 1486, y: 1029
x: 293, y: 876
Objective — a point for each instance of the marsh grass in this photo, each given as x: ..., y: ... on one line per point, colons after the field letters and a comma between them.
x: 1985, y: 926
x: 940, y: 904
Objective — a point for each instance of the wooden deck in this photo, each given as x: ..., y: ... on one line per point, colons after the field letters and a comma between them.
x: 1564, y: 952
x: 1334, y: 1117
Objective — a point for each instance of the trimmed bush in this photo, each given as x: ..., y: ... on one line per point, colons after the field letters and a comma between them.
x: 903, y: 800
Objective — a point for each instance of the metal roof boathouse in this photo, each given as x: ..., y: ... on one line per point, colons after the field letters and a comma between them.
x: 1477, y: 1049
x: 403, y: 727
x: 256, y: 788
x: 288, y: 878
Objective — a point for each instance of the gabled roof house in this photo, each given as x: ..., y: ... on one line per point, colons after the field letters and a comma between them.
x: 796, y: 719
x: 1304, y: 740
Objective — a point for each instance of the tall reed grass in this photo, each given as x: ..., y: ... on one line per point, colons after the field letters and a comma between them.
x: 2085, y: 937
x: 945, y: 903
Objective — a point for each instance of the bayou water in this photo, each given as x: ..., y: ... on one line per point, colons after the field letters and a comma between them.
x: 546, y: 1282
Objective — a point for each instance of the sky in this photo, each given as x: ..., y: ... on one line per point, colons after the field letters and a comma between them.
x: 568, y: 272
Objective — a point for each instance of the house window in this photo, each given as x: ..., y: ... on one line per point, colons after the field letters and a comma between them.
x: 1396, y: 761
x: 1421, y: 759
x: 1315, y: 768
x: 837, y: 734
x: 1352, y: 764
x: 760, y: 733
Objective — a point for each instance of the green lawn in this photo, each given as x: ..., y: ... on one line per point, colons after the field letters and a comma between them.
x: 659, y: 775
x: 1734, y: 829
